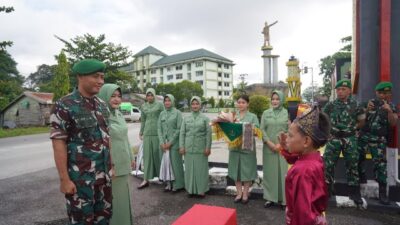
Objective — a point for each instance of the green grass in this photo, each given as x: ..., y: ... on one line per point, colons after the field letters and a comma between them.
x: 23, y: 131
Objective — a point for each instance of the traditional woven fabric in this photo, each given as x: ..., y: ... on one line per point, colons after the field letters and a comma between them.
x: 232, y: 133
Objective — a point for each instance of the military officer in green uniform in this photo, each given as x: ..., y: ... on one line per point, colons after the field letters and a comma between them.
x: 148, y: 133
x: 381, y: 116
x: 346, y: 116
x: 81, y: 147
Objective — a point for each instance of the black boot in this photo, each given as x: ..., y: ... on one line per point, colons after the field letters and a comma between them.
x: 383, y: 199
x: 355, y: 195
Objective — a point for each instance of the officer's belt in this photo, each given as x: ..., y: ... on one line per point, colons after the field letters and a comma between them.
x: 342, y: 134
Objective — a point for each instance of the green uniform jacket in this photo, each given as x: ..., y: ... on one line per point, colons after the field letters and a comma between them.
x: 242, y: 164
x: 121, y: 153
x: 275, y: 167
x: 195, y: 135
x: 149, y: 118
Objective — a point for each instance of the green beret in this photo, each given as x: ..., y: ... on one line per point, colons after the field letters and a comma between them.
x: 343, y: 83
x: 384, y: 86
x: 88, y: 66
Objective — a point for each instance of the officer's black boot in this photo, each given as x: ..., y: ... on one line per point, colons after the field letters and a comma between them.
x: 355, y: 195
x: 383, y: 199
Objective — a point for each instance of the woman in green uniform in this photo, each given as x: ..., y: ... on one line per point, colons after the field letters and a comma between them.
x: 242, y: 166
x: 195, y: 144
x: 148, y: 133
x: 121, y: 155
x: 274, y: 121
x: 169, y: 126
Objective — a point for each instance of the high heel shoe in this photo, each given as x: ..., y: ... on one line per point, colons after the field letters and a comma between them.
x: 142, y: 186
x: 268, y: 204
x: 237, y: 199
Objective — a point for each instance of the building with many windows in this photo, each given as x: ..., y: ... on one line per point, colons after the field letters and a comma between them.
x: 213, y: 72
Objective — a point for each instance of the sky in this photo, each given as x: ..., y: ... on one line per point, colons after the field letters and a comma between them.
x: 307, y: 29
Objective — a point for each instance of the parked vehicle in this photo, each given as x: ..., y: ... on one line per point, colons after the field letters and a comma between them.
x: 130, y: 112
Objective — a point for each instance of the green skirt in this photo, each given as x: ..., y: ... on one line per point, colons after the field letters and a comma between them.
x: 275, y: 169
x: 177, y: 168
x: 151, y: 157
x: 196, y: 173
x: 242, y: 166
x: 121, y: 203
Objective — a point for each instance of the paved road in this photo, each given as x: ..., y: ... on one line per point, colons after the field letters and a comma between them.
x: 25, y: 154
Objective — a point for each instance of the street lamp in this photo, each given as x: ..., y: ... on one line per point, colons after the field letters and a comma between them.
x: 305, y: 70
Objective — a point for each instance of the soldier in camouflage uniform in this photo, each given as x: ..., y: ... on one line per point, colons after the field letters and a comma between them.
x: 81, y: 147
x: 345, y: 115
x: 381, y: 115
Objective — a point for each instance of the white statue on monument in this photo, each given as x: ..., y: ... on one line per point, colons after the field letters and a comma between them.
x: 266, y: 33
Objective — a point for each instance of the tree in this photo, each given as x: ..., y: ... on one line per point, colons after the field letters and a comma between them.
x: 307, y: 93
x: 41, y: 79
x: 60, y: 83
x: 221, y: 103
x: 163, y: 89
x: 10, y: 79
x: 211, y: 101
x: 185, y: 90
x: 5, y: 44
x: 88, y: 46
x: 327, y: 65
x: 258, y: 104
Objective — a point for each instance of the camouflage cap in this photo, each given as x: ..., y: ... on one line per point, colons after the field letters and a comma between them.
x: 384, y: 86
x: 343, y: 83
x: 88, y: 66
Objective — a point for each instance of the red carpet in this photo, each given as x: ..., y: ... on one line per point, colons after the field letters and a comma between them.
x: 207, y: 215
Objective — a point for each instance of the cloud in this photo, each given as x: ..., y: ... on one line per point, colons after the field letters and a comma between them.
x: 307, y: 29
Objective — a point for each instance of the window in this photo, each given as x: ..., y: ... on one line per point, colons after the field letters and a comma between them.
x: 168, y: 68
x: 189, y: 66
x: 219, y: 83
x: 219, y: 65
x: 170, y: 77
x: 161, y: 79
x: 199, y: 64
x: 226, y: 66
x: 220, y: 93
x: 178, y: 67
x: 135, y: 110
x: 144, y: 80
x: 226, y: 75
x: 153, y: 71
x: 137, y: 73
x: 153, y: 80
x: 144, y: 72
x: 199, y: 73
x: 226, y: 84
x: 219, y: 74
x: 161, y: 71
x: 179, y: 76
x: 226, y: 93
x: 200, y: 82
x: 189, y: 76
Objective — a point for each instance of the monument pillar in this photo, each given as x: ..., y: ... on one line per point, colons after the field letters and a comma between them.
x: 270, y: 60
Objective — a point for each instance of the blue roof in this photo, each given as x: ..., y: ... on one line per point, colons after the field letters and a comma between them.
x: 199, y: 53
x: 150, y: 50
